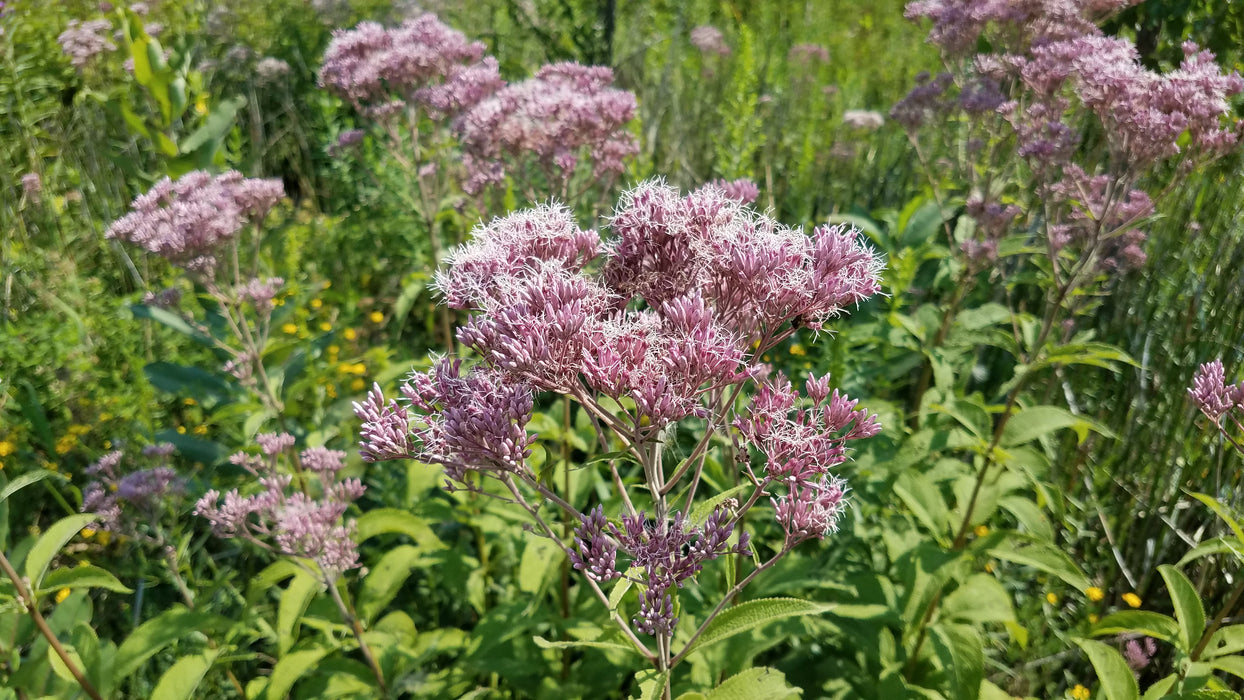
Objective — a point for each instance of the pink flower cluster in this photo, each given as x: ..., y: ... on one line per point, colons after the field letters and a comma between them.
x: 742, y: 190
x: 296, y: 524
x: 1212, y: 394
x: 189, y: 221
x: 957, y: 24
x: 661, y: 318
x: 709, y: 40
x: 423, y: 60
x: 83, y: 41
x: 124, y: 502
x: 565, y: 113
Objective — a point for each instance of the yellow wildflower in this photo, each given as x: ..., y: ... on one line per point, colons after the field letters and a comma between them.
x: 1080, y: 692
x: 332, y: 391
x: 357, y: 368
x: 51, y: 466
x: 798, y: 350
x: 351, y: 334
x: 200, y: 430
x: 181, y: 430
x: 989, y: 567
x: 104, y: 537
x: 78, y: 430
x: 981, y: 530
x: 1093, y: 618
x: 1094, y: 593
x: 375, y: 317
x: 1051, y: 599
x: 326, y: 326
x: 289, y: 329
x: 61, y: 595
x: 1131, y: 599
x: 7, y: 448
x: 65, y: 443
x: 190, y: 402
x: 87, y: 532
x: 358, y: 384
x: 317, y: 303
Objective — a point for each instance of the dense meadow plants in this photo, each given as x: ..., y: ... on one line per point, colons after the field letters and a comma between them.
x: 619, y: 466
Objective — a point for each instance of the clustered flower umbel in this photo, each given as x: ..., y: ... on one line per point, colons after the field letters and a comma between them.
x: 666, y: 315
x: 293, y: 520
x: 1213, y: 395
x: 189, y: 221
x: 564, y: 116
x: 83, y: 41
x: 1050, y: 57
x: 122, y: 502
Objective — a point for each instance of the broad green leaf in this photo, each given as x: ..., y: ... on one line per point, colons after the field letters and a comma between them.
x: 1221, y: 512
x: 216, y: 125
x: 1117, y: 681
x: 621, y: 587
x: 22, y: 481
x: 294, y: 601
x: 1227, y: 640
x: 290, y: 669
x: 50, y: 543
x: 1189, y: 612
x: 182, y: 380
x: 271, y: 575
x: 1037, y: 421
x: 1158, y: 690
x: 1047, y: 558
x: 1029, y: 515
x: 1231, y: 664
x: 83, y: 577
x: 860, y: 612
x: 705, y: 508
x: 925, y: 501
x: 58, y: 665
x: 158, y: 632
x: 172, y: 320
x: 1204, y: 694
x: 981, y: 598
x: 961, y: 652
x: 753, y: 614
x: 541, y: 557
x: 165, y: 144
x: 385, y: 579
x: 1150, y: 624
x: 754, y: 684
x: 394, y: 521
x: 651, y: 684
x: 574, y: 644
x: 1218, y: 545
x: 182, y: 679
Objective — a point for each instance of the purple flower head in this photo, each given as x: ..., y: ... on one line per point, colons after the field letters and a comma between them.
x: 32, y: 185
x: 290, y: 521
x: 742, y: 190
x: 422, y: 60
x: 271, y: 70
x: 1139, y: 652
x: 261, y: 293
x: 559, y: 116
x: 167, y: 298
x: 926, y: 100
x: 347, y: 140
x: 1211, y: 393
x: 124, y: 502
x: 709, y: 40
x: 595, y: 554
x: 189, y: 221
x: 83, y: 41
x: 811, y: 509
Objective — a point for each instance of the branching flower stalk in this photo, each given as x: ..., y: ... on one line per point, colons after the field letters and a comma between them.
x: 659, y: 326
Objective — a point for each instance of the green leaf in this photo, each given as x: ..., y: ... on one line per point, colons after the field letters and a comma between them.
x: 394, y: 521
x: 753, y: 614
x: 182, y: 380
x: 215, y: 126
x: 705, y: 508
x: 925, y: 501
x: 961, y: 652
x: 575, y: 644
x: 50, y: 543
x: 1221, y: 512
x: 272, y: 574
x: 651, y: 684
x: 58, y: 665
x: 385, y: 579
x: 989, y: 691
x: 981, y: 598
x: 1047, y: 558
x: 756, y: 683
x: 181, y: 680
x: 290, y: 669
x: 1037, y: 421
x: 1231, y: 664
x: 1189, y: 612
x: 1117, y: 681
x: 1160, y: 688
x: 1150, y: 624
x: 1028, y: 514
x: 153, y: 635
x: 172, y: 320
x: 621, y: 587
x: 1227, y: 640
x: 83, y: 577
x: 24, y: 480
x: 36, y: 416
x: 294, y: 601
x: 1218, y: 545
x: 541, y: 557
x: 1204, y: 694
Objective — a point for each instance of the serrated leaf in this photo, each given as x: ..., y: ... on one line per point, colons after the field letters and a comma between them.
x: 83, y: 577
x: 1218, y: 545
x: 540, y: 558
x: 172, y: 320
x: 58, y: 665
x: 181, y: 680
x: 158, y: 632
x: 574, y: 644
x: 294, y: 601
x: 1150, y: 624
x: 215, y: 126
x: 1189, y: 612
x: 290, y: 669
x: 1115, y: 676
x: 651, y: 684
x: 753, y: 614
x: 1227, y: 640
x: 1047, y: 558
x: 1230, y: 664
x: 925, y: 501
x: 1037, y: 421
x: 755, y: 684
x: 50, y: 543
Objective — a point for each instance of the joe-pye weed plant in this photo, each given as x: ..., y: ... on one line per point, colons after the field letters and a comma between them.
x: 657, y: 333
